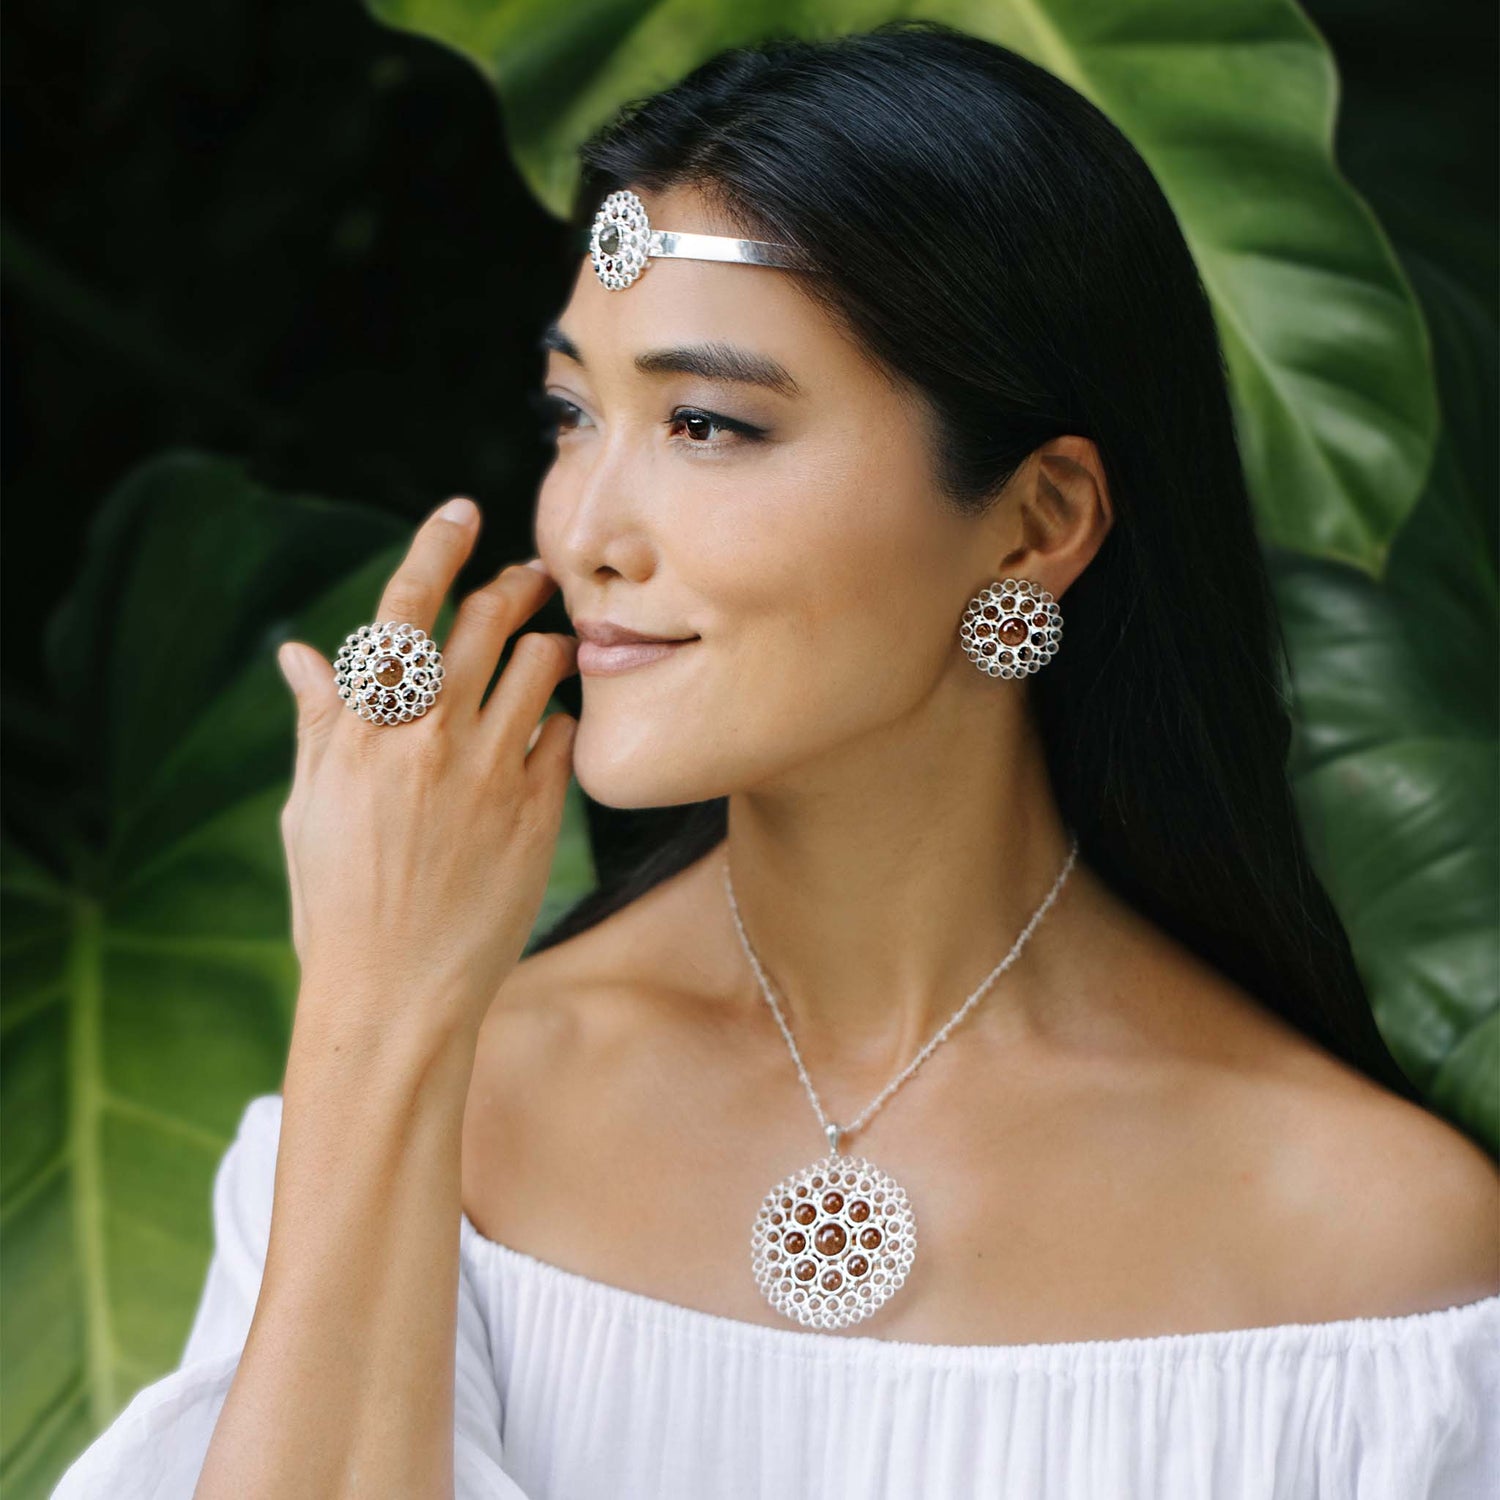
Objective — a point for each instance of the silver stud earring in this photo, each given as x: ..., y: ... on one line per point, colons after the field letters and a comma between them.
x: 1011, y: 627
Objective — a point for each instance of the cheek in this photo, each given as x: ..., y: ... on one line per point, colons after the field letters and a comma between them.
x: 851, y: 558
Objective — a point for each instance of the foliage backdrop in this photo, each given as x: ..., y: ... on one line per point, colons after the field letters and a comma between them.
x: 273, y: 278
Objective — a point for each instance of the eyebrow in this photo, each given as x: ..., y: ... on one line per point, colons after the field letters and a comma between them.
x: 710, y: 361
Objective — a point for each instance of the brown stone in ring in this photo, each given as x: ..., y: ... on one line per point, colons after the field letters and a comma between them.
x: 388, y: 671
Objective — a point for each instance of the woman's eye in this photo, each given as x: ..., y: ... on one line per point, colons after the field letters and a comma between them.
x: 558, y: 416
x: 698, y: 424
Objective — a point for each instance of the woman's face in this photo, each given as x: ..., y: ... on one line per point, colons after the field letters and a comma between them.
x: 795, y: 532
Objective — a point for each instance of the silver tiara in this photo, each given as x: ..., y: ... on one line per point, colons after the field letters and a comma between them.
x: 622, y: 240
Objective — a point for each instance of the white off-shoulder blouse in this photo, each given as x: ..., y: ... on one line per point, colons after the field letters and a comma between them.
x: 570, y: 1389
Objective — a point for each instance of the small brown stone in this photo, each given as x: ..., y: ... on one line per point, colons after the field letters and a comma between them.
x: 870, y: 1238
x: 795, y: 1241
x: 805, y: 1270
x: 859, y: 1210
x: 832, y: 1281
x: 804, y: 1213
x: 857, y: 1265
x: 832, y: 1202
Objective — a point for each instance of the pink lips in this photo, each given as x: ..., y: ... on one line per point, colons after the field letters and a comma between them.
x: 594, y: 660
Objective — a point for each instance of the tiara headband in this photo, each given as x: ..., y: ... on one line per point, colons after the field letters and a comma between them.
x: 622, y: 240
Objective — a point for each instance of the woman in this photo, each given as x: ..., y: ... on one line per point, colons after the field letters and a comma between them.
x: 1117, y: 1191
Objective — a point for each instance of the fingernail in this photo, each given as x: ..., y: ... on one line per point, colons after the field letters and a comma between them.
x: 290, y: 662
x: 537, y: 563
x: 462, y: 509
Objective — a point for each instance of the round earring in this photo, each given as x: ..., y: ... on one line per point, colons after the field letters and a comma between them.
x: 1011, y: 627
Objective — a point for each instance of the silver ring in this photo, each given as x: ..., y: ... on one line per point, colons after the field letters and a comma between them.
x: 389, y: 671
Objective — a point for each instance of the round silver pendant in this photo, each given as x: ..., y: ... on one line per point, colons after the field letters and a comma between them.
x: 833, y: 1241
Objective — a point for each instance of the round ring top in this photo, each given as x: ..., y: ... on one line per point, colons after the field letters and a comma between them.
x: 389, y: 671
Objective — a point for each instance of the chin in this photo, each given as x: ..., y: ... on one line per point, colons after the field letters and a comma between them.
x: 623, y: 771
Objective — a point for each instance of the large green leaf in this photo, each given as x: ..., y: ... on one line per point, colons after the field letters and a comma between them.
x: 1232, y: 104
x: 1397, y: 761
x: 149, y: 978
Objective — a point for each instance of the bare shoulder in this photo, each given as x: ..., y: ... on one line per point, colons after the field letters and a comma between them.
x: 1381, y: 1204
x: 573, y: 1046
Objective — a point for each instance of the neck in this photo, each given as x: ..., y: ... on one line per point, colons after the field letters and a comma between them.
x: 878, y: 893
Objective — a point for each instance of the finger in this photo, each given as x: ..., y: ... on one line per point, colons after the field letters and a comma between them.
x: 441, y: 546
x: 550, y: 755
x: 484, y: 621
x: 310, y: 677
x: 539, y: 660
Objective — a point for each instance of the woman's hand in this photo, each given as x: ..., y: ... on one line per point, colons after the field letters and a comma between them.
x: 418, y: 853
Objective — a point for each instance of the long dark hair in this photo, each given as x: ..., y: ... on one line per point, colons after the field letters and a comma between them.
x: 992, y: 238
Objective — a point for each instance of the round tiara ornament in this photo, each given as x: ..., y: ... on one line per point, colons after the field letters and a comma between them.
x: 389, y: 673
x: 833, y: 1241
x: 1011, y: 628
x: 622, y: 241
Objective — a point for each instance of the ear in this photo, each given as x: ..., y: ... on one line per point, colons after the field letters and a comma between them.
x: 1061, y: 506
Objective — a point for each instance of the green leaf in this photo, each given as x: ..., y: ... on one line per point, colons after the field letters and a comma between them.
x: 1397, y: 757
x: 1231, y: 104
x: 148, y: 974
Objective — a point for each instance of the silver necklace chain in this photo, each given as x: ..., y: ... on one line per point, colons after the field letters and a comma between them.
x: 832, y: 1130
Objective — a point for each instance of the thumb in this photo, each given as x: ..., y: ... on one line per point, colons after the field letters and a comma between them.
x: 312, y: 683
x: 296, y: 668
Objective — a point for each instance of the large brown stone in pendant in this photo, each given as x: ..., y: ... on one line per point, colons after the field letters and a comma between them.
x: 388, y: 671
x: 831, y: 1239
